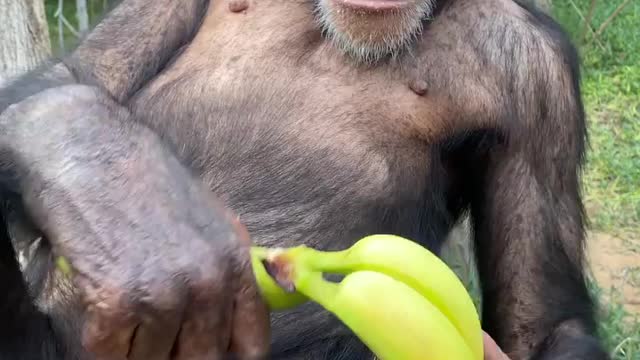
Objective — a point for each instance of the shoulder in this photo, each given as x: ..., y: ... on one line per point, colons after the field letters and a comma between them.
x: 501, y: 31
x: 501, y: 59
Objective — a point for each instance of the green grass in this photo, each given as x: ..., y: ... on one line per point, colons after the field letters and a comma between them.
x: 612, y: 176
x: 611, y: 89
x: 619, y: 330
x: 619, y: 43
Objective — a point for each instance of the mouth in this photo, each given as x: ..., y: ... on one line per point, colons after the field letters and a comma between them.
x: 374, y: 5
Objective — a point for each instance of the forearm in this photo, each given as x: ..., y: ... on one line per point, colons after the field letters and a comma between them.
x: 72, y: 156
x: 61, y: 129
x: 529, y: 235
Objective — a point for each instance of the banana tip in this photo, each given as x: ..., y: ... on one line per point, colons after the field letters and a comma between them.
x: 281, y: 270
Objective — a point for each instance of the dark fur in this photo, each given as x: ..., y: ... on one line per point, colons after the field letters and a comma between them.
x: 509, y: 152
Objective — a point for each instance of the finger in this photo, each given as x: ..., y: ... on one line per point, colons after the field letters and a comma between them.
x: 491, y: 349
x: 206, y: 325
x: 250, y: 335
x: 240, y: 231
x: 156, y: 335
x: 108, y: 332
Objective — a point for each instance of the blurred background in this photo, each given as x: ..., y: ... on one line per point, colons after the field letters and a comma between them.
x: 607, y: 33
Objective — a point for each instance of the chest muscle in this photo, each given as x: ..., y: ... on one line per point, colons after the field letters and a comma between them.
x: 285, y: 130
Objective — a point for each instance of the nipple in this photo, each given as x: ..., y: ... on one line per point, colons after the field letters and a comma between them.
x: 419, y: 86
x: 237, y: 6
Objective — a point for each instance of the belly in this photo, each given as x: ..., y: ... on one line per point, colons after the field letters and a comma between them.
x: 292, y: 178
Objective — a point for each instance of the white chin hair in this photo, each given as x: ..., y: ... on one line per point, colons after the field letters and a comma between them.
x: 381, y: 37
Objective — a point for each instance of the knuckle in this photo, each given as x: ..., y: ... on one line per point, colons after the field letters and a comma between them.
x: 240, y: 257
x: 111, y: 303
x: 166, y: 298
x: 157, y: 291
x: 256, y: 352
x: 238, y: 231
x: 209, y: 278
x: 211, y: 257
x: 120, y: 299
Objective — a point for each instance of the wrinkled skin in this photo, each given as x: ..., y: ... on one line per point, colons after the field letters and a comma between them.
x: 179, y: 133
x: 153, y: 274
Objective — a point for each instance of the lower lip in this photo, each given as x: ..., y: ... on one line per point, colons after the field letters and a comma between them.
x: 374, y: 5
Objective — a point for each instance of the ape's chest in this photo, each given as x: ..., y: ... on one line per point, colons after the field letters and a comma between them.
x: 262, y: 71
x: 316, y: 127
x: 298, y: 151
x: 298, y: 138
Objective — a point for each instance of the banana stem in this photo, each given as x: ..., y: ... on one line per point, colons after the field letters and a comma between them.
x: 326, y: 261
x: 284, y: 265
x: 316, y: 288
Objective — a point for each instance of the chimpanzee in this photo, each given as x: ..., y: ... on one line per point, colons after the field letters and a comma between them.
x: 178, y: 133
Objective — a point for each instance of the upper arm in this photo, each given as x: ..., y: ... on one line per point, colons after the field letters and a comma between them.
x: 134, y: 42
x: 527, y: 191
x: 525, y: 198
x: 541, y: 114
x: 124, y: 51
x: 518, y: 76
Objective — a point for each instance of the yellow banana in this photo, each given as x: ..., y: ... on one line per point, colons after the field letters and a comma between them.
x: 406, y: 262
x: 391, y: 318
x: 417, y: 267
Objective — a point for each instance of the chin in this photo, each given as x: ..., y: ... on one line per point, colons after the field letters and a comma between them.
x: 371, y: 30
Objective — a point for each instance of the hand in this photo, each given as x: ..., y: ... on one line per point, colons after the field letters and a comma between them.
x: 491, y: 350
x: 164, y: 269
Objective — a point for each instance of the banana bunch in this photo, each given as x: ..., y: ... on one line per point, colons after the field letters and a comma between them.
x: 400, y: 299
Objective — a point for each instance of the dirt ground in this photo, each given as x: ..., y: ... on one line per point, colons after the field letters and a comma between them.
x: 615, y: 262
